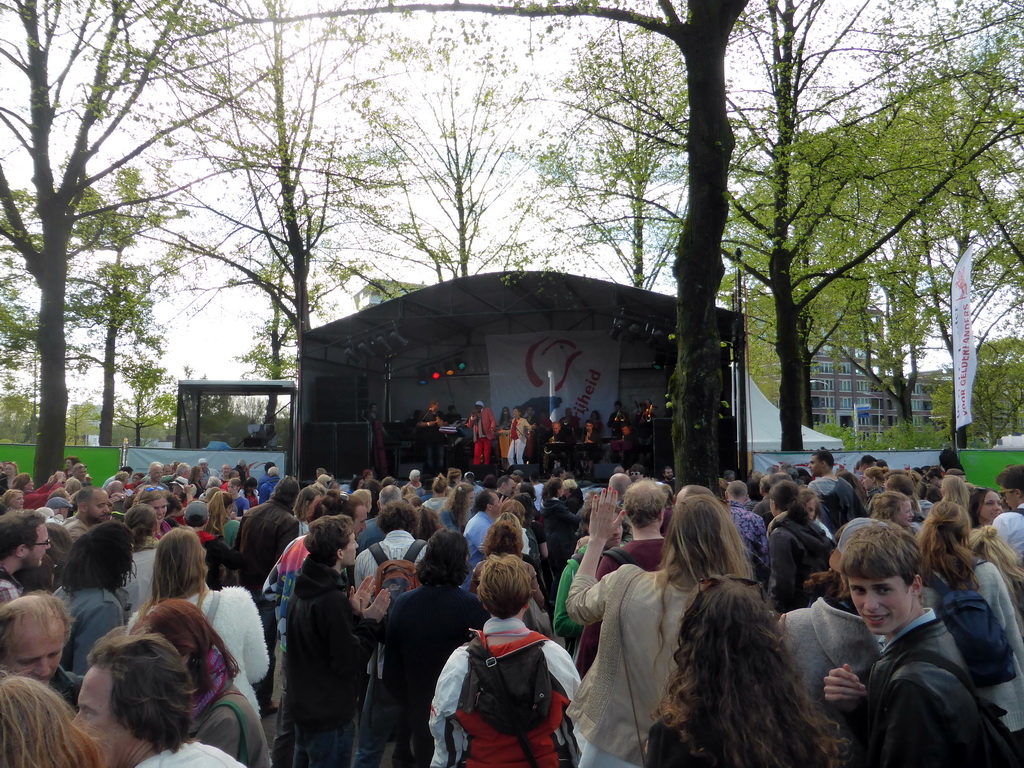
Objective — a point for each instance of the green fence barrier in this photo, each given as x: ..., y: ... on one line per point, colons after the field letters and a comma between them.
x: 982, y: 467
x: 101, y: 462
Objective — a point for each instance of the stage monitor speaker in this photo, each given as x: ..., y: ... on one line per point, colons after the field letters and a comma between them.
x: 604, y: 472
x: 406, y: 467
x: 317, y: 449
x: 664, y: 456
x: 529, y: 470
x: 728, y: 457
x: 480, y: 471
x: 335, y: 399
x: 352, y: 447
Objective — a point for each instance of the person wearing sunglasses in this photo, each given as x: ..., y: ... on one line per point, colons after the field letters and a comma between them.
x: 734, y: 696
x: 626, y: 681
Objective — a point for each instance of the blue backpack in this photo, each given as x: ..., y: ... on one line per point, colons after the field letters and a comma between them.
x: 978, y: 634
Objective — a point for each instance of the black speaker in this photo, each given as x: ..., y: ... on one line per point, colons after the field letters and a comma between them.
x: 529, y: 470
x: 480, y: 471
x: 603, y: 472
x: 335, y: 398
x: 664, y: 456
x: 402, y: 473
x: 317, y: 449
x: 352, y: 448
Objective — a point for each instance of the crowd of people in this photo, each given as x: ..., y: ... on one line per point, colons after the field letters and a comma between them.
x: 808, y: 616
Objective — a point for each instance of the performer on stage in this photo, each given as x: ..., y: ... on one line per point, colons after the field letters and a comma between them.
x: 618, y: 420
x: 380, y: 456
x: 428, y: 434
x: 519, y: 431
x: 481, y: 422
x: 504, y: 435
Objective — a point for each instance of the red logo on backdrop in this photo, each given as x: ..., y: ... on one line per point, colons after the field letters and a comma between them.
x: 551, y: 353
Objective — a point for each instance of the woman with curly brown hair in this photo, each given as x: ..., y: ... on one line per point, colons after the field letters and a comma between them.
x: 735, y: 696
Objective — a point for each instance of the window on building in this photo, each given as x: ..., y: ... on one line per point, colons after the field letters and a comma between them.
x: 863, y: 386
x: 823, y: 366
x: 825, y: 385
x: 845, y: 385
x: 918, y: 421
x: 846, y: 403
x: 846, y: 368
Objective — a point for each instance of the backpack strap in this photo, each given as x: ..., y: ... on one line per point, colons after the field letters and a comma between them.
x: 243, y: 741
x: 478, y: 647
x: 940, y: 661
x: 214, y: 605
x: 414, y: 551
x: 620, y: 556
x: 379, y: 554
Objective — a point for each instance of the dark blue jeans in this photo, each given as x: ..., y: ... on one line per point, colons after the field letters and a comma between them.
x: 324, y: 749
x: 265, y: 688
x: 381, y: 714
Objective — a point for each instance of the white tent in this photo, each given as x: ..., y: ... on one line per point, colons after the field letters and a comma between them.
x: 764, y: 432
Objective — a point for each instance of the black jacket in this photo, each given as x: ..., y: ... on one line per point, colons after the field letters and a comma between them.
x: 919, y: 714
x: 263, y: 533
x: 560, y: 527
x: 796, y: 551
x: 327, y: 649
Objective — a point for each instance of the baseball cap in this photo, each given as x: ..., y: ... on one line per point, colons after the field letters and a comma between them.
x: 480, y: 403
x: 196, y: 512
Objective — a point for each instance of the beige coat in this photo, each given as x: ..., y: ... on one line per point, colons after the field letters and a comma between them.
x: 639, y: 636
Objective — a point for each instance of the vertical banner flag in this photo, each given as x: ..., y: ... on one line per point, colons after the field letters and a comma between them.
x: 560, y: 369
x: 964, y: 361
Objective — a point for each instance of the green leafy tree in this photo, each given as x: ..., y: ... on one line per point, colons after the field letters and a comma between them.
x: 81, y: 422
x: 449, y: 160
x: 997, y: 402
x: 92, y: 87
x: 150, y: 400
x: 618, y: 163
x: 701, y: 30
x: 832, y: 170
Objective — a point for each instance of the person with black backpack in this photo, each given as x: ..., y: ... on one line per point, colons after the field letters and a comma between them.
x: 502, y: 697
x: 970, y: 596
x: 919, y: 707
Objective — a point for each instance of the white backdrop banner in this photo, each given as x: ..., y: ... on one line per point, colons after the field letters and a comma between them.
x: 848, y: 459
x: 579, y: 369
x: 964, y: 361
x: 140, y: 458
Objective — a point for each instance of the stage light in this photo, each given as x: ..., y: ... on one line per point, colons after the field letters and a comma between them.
x: 364, y: 349
x: 397, y: 340
x: 460, y: 363
x: 449, y: 369
x: 421, y: 376
x: 660, y: 361
x: 435, y: 375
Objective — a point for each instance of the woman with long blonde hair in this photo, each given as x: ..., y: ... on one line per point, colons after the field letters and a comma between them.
x: 455, y: 511
x: 37, y: 729
x: 625, y: 683
x: 307, y: 500
x: 947, y: 559
x: 179, y: 571
x: 222, y: 520
x: 954, y: 488
x: 986, y: 543
x: 158, y: 499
